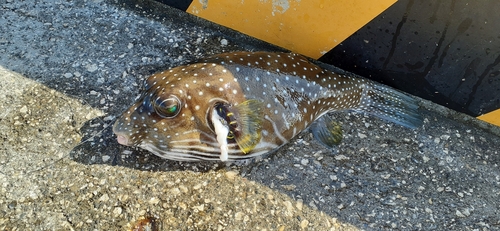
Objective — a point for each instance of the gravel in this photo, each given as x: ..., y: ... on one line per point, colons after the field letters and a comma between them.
x: 69, y: 68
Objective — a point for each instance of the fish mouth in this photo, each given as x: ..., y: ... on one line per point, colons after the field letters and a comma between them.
x: 123, y: 140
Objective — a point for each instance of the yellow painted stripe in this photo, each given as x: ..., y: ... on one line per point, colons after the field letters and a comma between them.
x: 309, y: 27
x: 492, y: 117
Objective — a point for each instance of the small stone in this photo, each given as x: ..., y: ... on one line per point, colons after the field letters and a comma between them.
x: 175, y: 191
x: 91, y: 67
x: 361, y: 135
x: 466, y: 212
x: 106, y: 158
x: 300, y: 204
x: 445, y: 137
x: 289, y: 187
x: 231, y: 175
x: 154, y: 201
x: 104, y: 198
x: 289, y: 207
x: 304, y: 223
x: 199, y: 207
x: 183, y: 188
x: 109, y: 118
x: 117, y: 211
x: 341, y: 157
x: 130, y: 46
x: 68, y: 75
x: 239, y: 216
x: 304, y: 161
x: 24, y: 109
x: 223, y: 42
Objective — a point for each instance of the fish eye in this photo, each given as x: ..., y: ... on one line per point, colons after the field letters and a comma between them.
x: 167, y: 108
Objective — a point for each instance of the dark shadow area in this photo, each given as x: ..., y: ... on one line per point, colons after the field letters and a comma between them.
x: 447, y: 52
x: 99, y: 146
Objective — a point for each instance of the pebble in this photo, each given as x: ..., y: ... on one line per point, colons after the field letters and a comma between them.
x: 104, y: 198
x: 24, y: 109
x: 223, y: 42
x: 105, y: 158
x: 91, y: 67
x: 341, y: 157
x: 230, y: 175
x: 154, y: 201
x: 304, y: 223
x: 175, y: 191
x: 117, y: 211
x: 300, y: 204
x: 239, y: 216
x: 289, y: 208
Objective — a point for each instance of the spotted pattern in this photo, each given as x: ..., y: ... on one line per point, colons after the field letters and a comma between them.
x: 294, y: 93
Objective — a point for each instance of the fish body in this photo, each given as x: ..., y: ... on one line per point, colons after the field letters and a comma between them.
x: 241, y: 105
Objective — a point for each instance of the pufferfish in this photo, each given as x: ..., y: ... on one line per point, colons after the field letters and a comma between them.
x: 240, y: 105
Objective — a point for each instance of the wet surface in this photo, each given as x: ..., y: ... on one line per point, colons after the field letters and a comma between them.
x: 64, y: 80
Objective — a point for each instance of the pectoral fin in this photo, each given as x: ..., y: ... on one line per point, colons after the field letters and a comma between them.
x: 248, y: 117
x: 327, y: 131
x: 244, y: 122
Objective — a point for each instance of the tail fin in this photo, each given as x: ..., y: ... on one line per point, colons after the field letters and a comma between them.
x: 390, y: 104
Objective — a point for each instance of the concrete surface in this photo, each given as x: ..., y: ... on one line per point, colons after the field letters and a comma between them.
x: 68, y: 68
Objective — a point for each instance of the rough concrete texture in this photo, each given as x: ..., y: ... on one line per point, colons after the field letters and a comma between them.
x: 68, y: 69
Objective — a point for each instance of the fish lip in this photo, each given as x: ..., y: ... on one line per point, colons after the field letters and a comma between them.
x: 120, y: 137
x: 123, y: 140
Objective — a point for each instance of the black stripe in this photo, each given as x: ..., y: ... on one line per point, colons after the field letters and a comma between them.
x: 179, y: 4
